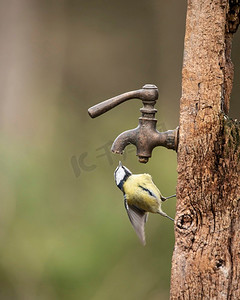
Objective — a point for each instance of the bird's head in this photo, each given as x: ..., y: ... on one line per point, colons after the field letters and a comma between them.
x: 121, y: 174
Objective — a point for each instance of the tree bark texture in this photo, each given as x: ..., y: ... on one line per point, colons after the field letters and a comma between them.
x: 206, y: 258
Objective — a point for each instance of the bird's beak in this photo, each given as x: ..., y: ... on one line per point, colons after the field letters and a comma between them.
x: 120, y: 164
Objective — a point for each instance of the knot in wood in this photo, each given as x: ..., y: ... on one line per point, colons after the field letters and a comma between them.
x: 184, y: 221
x: 219, y: 263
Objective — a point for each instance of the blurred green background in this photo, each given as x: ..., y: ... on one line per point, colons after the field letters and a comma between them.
x: 64, y: 232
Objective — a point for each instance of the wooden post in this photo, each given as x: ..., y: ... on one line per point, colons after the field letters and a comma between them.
x: 206, y: 258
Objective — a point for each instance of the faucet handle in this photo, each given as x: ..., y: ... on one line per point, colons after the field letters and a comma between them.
x: 148, y: 93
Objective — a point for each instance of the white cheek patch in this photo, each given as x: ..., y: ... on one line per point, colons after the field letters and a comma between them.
x: 120, y: 173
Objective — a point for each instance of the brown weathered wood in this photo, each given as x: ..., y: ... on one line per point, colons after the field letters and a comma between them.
x: 206, y: 258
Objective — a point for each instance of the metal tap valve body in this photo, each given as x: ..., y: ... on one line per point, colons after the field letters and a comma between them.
x: 145, y: 137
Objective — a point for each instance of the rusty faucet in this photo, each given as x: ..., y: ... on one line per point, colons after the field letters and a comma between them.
x: 145, y: 136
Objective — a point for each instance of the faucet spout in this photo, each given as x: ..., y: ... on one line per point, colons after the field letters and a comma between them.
x: 145, y: 137
x: 125, y: 138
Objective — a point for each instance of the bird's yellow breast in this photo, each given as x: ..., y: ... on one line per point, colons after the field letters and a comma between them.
x: 142, y: 192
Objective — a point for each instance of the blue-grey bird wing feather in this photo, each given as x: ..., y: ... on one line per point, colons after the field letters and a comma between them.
x: 138, y: 219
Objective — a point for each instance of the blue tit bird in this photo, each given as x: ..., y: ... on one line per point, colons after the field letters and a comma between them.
x: 141, y: 196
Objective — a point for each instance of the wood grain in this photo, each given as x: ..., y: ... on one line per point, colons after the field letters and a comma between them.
x: 206, y: 258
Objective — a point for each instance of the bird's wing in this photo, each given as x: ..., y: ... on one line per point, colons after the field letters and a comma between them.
x: 138, y: 219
